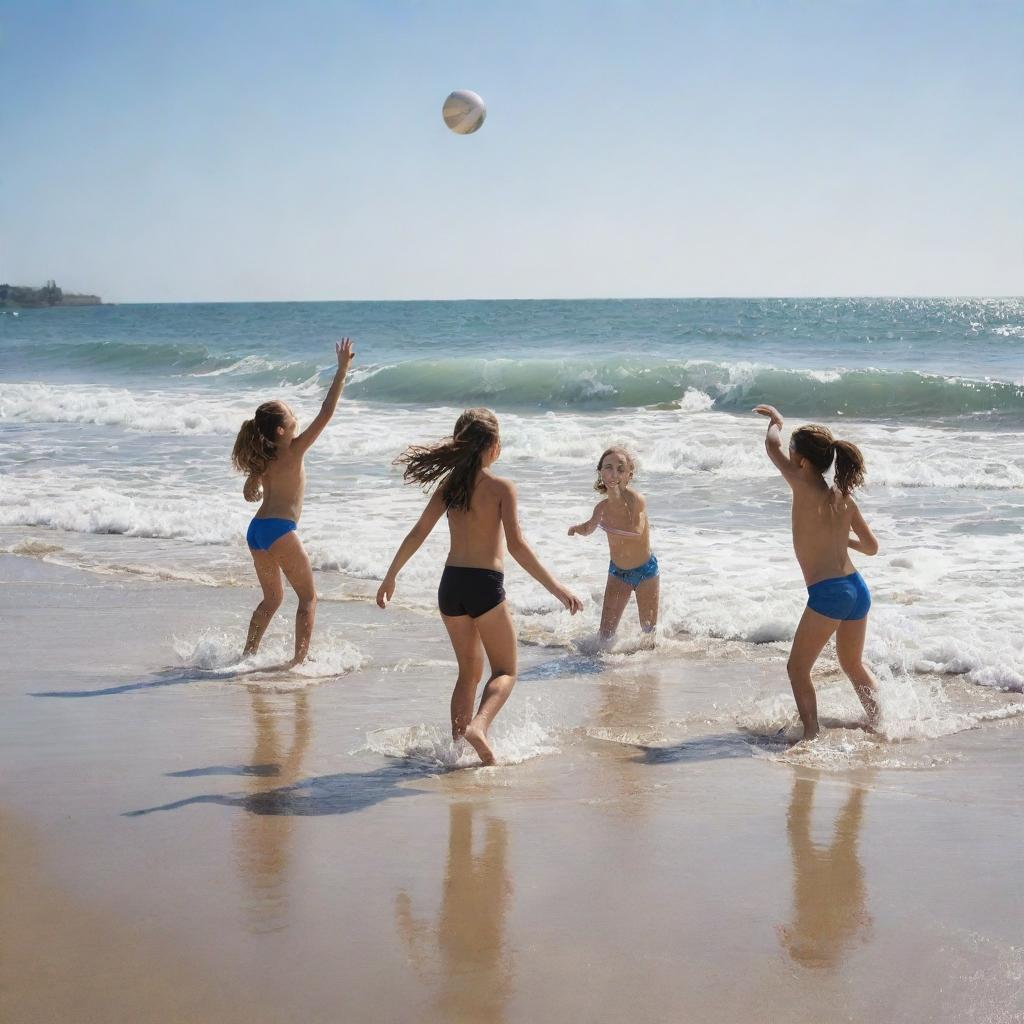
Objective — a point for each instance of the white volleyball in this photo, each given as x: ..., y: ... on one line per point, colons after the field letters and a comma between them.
x: 464, y: 112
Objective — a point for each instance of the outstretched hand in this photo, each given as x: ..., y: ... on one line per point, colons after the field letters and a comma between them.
x: 345, y: 352
x: 771, y: 412
x: 572, y: 603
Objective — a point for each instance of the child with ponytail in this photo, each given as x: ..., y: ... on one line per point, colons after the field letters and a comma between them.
x: 270, y: 452
x: 482, y: 518
x: 826, y: 524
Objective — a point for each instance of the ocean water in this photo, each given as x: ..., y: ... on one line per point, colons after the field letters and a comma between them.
x: 116, y: 425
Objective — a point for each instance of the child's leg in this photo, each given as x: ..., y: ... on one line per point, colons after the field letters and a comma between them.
x: 850, y: 648
x: 616, y: 596
x: 647, y: 595
x: 812, y: 634
x: 470, y: 654
x: 498, y: 635
x: 294, y: 562
x: 269, y: 575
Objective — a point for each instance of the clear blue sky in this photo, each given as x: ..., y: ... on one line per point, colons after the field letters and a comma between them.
x: 159, y: 151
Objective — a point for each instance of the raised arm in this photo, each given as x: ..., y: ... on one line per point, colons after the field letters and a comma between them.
x: 863, y: 540
x: 587, y: 528
x: 773, y: 443
x: 523, y: 553
x: 413, y: 541
x: 343, y: 350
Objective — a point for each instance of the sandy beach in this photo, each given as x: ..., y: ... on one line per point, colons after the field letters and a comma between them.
x: 675, y: 350
x: 184, y: 844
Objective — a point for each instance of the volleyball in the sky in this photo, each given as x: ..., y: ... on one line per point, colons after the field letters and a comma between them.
x: 464, y: 112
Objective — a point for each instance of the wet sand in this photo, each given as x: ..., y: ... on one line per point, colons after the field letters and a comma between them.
x: 181, y: 846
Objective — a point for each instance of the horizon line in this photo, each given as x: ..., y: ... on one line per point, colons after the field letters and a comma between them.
x: 562, y: 298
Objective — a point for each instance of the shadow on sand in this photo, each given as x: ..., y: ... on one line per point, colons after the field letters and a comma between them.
x: 325, y: 794
x: 166, y: 677
x: 260, y: 770
x: 702, y: 748
x: 568, y: 665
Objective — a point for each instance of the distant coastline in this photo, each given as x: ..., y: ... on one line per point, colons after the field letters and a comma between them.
x: 14, y: 296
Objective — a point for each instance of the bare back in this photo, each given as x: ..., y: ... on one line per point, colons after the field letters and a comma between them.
x: 477, y: 535
x: 822, y: 519
x: 284, y: 485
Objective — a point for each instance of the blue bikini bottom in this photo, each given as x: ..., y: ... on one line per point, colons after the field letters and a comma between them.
x: 263, y: 532
x: 634, y: 577
x: 844, y: 598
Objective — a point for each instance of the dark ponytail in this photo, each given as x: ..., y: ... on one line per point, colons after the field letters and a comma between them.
x: 849, y: 467
x: 816, y: 444
x: 256, y: 445
x: 456, y: 460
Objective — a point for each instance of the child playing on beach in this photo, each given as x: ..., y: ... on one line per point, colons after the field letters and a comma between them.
x: 633, y: 569
x: 481, y: 512
x: 271, y: 453
x: 823, y: 520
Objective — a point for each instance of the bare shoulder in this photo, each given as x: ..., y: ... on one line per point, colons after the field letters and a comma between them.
x: 852, y: 508
x: 501, y: 486
x: 805, y: 488
x: 637, y: 498
x: 600, y: 506
x: 496, y: 490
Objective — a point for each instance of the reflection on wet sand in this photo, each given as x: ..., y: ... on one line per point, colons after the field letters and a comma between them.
x: 263, y: 840
x: 630, y: 705
x: 467, y: 943
x: 829, y: 895
x: 629, y: 711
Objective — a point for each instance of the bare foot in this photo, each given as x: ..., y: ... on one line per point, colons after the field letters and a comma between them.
x: 810, y: 733
x: 478, y: 741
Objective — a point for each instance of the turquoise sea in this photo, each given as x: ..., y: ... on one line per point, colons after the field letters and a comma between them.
x: 116, y: 423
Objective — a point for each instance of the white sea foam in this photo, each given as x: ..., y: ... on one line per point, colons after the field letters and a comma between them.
x: 947, y: 595
x: 248, y: 364
x: 216, y: 652
x: 515, y: 737
x: 912, y: 709
x: 155, y: 412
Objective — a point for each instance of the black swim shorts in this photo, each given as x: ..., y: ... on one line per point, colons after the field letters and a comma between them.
x: 472, y: 592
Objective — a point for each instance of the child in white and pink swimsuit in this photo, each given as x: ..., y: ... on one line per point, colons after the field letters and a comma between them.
x: 633, y: 568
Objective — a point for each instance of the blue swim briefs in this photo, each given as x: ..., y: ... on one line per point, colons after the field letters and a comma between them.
x: 846, y: 597
x: 263, y: 532
x: 634, y: 577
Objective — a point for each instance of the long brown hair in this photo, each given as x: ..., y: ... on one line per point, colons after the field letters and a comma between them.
x: 599, y: 485
x: 256, y: 444
x: 456, y: 460
x: 816, y: 444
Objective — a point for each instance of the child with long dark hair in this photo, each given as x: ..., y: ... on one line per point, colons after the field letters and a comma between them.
x: 826, y: 524
x: 270, y: 452
x: 482, y: 518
